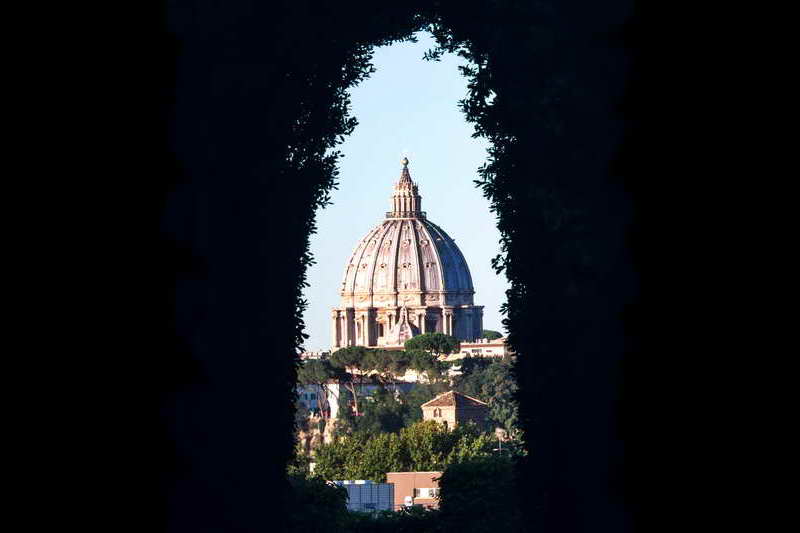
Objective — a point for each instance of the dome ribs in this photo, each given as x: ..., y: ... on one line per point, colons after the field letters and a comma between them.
x: 432, y: 262
x: 353, y: 284
x: 382, y: 264
x: 407, y: 279
x: 421, y: 285
x: 455, y: 272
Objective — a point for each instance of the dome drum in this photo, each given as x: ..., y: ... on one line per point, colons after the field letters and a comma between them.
x: 363, y: 301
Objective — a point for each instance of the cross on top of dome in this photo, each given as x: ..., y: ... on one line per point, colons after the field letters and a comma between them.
x: 405, y: 176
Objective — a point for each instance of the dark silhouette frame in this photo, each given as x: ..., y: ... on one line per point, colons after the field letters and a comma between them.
x: 254, y: 99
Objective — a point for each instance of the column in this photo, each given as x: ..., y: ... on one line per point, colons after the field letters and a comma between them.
x: 349, y: 326
x: 447, y: 325
x: 372, y: 326
x: 468, y: 329
x: 479, y: 327
x: 364, y: 329
x: 335, y: 329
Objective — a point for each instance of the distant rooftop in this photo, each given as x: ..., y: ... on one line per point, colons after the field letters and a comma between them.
x: 454, y: 398
x: 501, y: 340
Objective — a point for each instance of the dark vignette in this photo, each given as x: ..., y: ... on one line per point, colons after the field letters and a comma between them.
x: 230, y: 112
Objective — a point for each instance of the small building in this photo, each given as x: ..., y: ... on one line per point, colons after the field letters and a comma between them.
x: 481, y: 348
x: 366, y: 496
x: 415, y: 488
x: 452, y: 408
x: 321, y: 354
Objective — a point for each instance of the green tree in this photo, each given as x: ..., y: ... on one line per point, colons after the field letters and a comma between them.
x: 423, y: 446
x: 353, y: 364
x: 315, y: 506
x: 301, y: 415
x: 470, y: 443
x: 435, y: 343
x: 465, y: 501
x: 299, y: 464
x: 318, y: 372
x: 381, y: 413
x: 334, y: 460
x: 413, y: 399
x: 423, y: 362
x: 430, y: 446
x: 491, y: 334
x: 388, y: 365
x: 400, y: 363
x: 469, y: 367
x: 406, y: 520
x: 345, y: 420
x: 493, y: 382
x: 384, y: 452
x: 503, y: 406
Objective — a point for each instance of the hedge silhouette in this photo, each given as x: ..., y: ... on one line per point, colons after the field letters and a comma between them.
x: 255, y: 98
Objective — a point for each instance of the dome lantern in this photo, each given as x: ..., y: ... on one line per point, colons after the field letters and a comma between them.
x: 406, y: 201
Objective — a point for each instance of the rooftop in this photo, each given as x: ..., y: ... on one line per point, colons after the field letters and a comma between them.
x: 454, y: 398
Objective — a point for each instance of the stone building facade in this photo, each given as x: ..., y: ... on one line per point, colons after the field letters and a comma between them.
x: 452, y: 408
x: 404, y: 278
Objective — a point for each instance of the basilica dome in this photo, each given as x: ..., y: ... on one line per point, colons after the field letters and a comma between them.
x: 402, y: 256
x: 405, y: 277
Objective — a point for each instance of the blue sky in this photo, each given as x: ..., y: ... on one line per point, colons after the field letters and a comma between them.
x: 408, y: 107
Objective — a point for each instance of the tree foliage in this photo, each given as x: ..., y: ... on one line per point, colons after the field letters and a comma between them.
x: 474, y: 489
x: 316, y: 506
x: 406, y: 520
x: 491, y: 334
x: 435, y: 343
x: 382, y: 367
x: 427, y: 365
x: 492, y: 381
x: 388, y: 365
x: 387, y: 410
x: 319, y: 372
x: 301, y: 415
x: 420, y: 394
x: 353, y: 363
x: 423, y: 446
x: 384, y: 412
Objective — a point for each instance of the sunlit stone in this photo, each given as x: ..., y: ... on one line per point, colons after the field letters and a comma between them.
x: 404, y: 278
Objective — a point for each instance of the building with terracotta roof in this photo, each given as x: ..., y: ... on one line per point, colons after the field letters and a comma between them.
x: 452, y: 408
